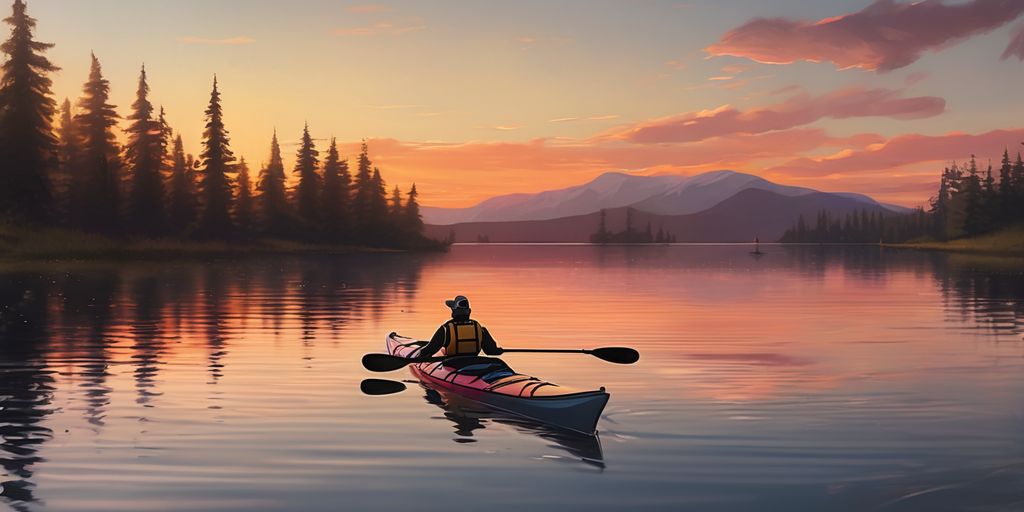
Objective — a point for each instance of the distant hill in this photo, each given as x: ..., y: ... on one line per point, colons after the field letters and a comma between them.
x: 662, y: 195
x: 610, y: 190
x: 752, y: 212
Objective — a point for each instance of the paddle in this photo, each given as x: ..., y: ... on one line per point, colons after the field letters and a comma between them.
x: 377, y: 387
x: 617, y: 355
x: 387, y: 363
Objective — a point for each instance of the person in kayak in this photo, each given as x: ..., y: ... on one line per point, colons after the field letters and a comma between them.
x: 461, y: 336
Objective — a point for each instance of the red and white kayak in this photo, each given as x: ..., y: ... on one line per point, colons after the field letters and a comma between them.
x: 490, y: 381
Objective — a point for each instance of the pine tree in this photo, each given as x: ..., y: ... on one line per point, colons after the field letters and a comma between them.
x: 362, y: 200
x: 181, y: 212
x: 940, y: 208
x: 973, y: 221
x: 1005, y: 186
x: 166, y: 143
x: 68, y: 149
x: 307, y: 192
x: 27, y: 142
x: 243, y: 203
x: 989, y: 201
x: 144, y: 156
x: 396, y: 208
x: 96, y: 206
x: 379, y: 205
x: 955, y: 217
x: 413, y: 220
x: 335, y: 197
x: 273, y: 199
x: 215, y: 220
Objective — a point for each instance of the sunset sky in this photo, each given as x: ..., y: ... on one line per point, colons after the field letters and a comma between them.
x: 473, y: 99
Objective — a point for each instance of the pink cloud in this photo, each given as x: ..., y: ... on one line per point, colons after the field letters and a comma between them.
x: 1016, y: 46
x: 906, y: 150
x: 886, y: 35
x: 797, y: 111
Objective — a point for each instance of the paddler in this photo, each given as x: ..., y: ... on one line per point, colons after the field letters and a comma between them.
x: 461, y: 336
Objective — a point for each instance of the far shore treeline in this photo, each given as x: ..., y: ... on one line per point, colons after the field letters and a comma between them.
x: 967, y: 204
x: 71, y: 172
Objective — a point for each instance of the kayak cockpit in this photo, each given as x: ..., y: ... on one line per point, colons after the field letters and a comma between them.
x: 487, y: 369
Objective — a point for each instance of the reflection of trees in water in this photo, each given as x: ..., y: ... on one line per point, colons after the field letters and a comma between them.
x: 87, y: 315
x: 984, y: 290
x: 26, y: 383
x: 145, y: 329
x: 988, y: 290
x: 72, y: 316
x: 215, y: 296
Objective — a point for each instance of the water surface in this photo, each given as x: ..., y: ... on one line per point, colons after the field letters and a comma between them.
x: 807, y: 379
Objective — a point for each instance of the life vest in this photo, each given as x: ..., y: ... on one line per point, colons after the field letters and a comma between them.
x: 464, y: 338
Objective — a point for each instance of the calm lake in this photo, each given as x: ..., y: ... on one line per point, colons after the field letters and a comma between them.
x: 842, y: 378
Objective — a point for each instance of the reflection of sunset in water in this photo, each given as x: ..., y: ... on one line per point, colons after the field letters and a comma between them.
x: 199, y: 378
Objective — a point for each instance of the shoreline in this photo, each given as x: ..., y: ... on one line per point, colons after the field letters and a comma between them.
x: 20, y: 244
x: 1005, y: 242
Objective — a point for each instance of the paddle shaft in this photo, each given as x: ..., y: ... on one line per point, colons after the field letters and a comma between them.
x: 387, y: 362
x: 547, y: 350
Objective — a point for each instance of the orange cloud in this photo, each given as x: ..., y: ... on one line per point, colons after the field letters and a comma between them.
x: 461, y: 174
x: 886, y: 35
x: 797, y: 111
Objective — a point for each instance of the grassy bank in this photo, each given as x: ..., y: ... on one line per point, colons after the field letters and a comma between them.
x: 1005, y: 241
x: 50, y: 243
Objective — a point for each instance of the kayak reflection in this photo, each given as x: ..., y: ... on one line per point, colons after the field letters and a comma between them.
x: 470, y: 416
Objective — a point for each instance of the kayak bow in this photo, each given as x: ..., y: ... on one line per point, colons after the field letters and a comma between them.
x: 490, y: 381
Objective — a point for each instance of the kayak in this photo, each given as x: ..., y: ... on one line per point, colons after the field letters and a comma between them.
x: 490, y: 381
x: 469, y: 416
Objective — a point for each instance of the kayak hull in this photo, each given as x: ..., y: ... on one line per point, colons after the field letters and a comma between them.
x: 510, y: 392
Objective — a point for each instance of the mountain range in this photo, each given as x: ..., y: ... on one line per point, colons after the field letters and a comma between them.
x: 718, y: 206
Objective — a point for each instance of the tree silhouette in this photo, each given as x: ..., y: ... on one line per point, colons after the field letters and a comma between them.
x: 27, y: 142
x: 307, y: 191
x: 182, y: 205
x: 973, y: 210
x: 243, y: 203
x: 363, y: 199
x: 335, y: 197
x: 379, y: 201
x: 97, y: 205
x: 217, y: 157
x: 68, y: 149
x: 273, y: 200
x: 395, y: 205
x: 1006, y: 192
x: 413, y: 220
x: 144, y: 156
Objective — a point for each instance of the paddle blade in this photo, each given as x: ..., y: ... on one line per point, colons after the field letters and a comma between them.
x: 618, y: 355
x: 378, y: 387
x: 383, y: 362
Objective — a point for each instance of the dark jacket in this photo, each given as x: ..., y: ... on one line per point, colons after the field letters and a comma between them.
x: 440, y: 339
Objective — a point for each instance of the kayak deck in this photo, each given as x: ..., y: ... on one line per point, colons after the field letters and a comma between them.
x: 489, y: 380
